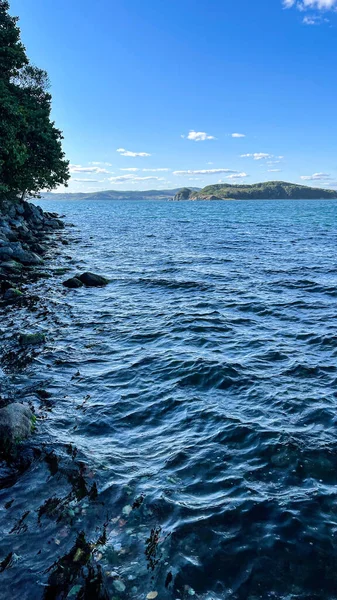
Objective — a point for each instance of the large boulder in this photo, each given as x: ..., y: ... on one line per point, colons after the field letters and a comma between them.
x: 15, y: 251
x: 73, y: 283
x: 92, y: 280
x: 16, y: 424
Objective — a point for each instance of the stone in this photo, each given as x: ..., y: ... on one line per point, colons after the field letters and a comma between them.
x: 11, y: 265
x: 73, y: 282
x: 92, y: 280
x: 16, y: 424
x: 12, y: 294
x: 15, y: 251
x: 119, y: 585
x: 32, y: 339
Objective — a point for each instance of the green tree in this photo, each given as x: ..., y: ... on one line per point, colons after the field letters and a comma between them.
x: 31, y: 156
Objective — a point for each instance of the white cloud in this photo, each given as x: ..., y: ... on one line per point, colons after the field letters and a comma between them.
x: 314, y: 20
x: 104, y: 164
x: 199, y: 136
x: 238, y: 135
x: 316, y: 177
x: 257, y: 156
x: 124, y: 152
x: 132, y: 179
x: 80, y: 169
x: 129, y: 169
x: 155, y: 170
x: 237, y: 176
x: 204, y: 172
x: 84, y: 180
x: 274, y: 170
x: 311, y: 4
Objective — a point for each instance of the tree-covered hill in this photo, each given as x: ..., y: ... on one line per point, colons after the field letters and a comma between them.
x: 270, y: 190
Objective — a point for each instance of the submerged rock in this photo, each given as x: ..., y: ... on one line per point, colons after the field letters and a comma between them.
x: 32, y: 339
x: 73, y: 282
x: 92, y: 280
x: 16, y: 424
x: 12, y: 294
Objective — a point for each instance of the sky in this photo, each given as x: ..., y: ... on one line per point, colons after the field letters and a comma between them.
x: 156, y: 95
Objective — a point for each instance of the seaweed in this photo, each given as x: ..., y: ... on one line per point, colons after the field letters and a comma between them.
x: 75, y: 575
x: 21, y: 526
x: 152, y: 548
x: 4, y: 564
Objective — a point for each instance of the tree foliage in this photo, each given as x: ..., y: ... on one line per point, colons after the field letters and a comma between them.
x: 31, y: 156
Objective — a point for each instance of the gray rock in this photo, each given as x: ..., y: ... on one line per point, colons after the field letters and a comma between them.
x: 119, y: 585
x: 11, y: 265
x: 73, y: 282
x: 5, y: 253
x: 13, y: 294
x: 32, y: 339
x: 93, y: 280
x: 15, y: 251
x: 24, y: 256
x: 16, y: 424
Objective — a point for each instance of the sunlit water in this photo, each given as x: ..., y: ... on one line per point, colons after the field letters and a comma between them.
x: 202, y: 381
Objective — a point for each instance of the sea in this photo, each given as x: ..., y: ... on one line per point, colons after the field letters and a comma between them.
x: 187, y: 412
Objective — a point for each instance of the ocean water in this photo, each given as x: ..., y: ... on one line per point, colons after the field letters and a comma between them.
x: 197, y: 391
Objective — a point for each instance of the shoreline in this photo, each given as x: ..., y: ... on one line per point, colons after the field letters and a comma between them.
x: 32, y: 243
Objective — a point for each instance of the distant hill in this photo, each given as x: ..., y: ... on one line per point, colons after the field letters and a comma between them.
x: 270, y: 190
x: 116, y: 195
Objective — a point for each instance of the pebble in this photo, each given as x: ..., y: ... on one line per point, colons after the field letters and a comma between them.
x: 119, y: 585
x: 127, y: 510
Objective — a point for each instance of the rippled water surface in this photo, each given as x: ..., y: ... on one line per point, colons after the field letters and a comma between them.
x: 199, y: 391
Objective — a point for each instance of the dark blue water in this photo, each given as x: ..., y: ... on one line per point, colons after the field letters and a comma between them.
x: 200, y: 383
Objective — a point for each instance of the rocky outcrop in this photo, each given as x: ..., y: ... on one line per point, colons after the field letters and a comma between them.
x: 183, y: 194
x: 23, y: 226
x: 16, y: 424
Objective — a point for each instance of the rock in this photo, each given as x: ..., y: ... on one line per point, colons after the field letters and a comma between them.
x: 5, y: 253
x: 11, y: 265
x: 26, y: 257
x: 32, y: 339
x: 14, y: 251
x: 74, y: 282
x: 16, y: 424
x: 119, y: 585
x: 92, y: 280
x: 12, y: 294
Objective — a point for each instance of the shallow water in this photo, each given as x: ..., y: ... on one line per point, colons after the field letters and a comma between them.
x: 200, y: 383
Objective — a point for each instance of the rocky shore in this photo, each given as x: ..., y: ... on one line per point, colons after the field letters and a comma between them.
x: 26, y: 232
x: 33, y: 264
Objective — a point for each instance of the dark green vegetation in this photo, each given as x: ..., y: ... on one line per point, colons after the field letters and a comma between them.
x: 31, y: 156
x: 270, y: 190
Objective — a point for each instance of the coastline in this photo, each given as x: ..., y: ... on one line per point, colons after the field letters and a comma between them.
x: 28, y: 237
x: 33, y: 266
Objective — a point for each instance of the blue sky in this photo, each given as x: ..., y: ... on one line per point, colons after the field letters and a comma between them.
x: 149, y: 94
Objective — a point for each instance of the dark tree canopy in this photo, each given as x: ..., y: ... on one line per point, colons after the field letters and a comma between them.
x: 31, y: 156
